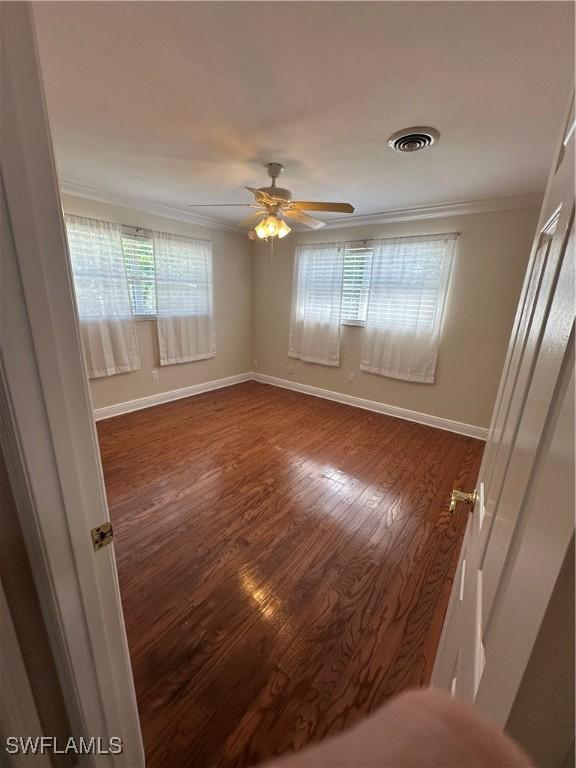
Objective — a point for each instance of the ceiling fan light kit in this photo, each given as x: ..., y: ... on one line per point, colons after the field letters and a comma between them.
x: 272, y: 226
x: 274, y: 203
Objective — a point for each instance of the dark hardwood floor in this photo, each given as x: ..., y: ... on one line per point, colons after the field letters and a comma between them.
x: 285, y: 564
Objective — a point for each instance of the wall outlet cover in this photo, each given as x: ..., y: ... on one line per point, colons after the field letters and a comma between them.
x: 154, y: 375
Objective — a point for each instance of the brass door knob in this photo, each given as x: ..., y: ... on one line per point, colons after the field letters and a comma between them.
x: 467, y: 498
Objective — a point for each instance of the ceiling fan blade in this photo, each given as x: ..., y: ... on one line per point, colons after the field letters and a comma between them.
x: 303, y: 218
x: 333, y: 207
x: 251, y: 220
x: 220, y: 205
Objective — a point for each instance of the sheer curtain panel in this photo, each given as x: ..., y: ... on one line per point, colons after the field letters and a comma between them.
x: 102, y: 296
x: 184, y: 298
x: 408, y: 290
x: 316, y: 303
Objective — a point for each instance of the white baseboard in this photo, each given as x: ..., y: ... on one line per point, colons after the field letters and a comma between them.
x: 480, y: 433
x: 107, y: 412
x: 165, y: 397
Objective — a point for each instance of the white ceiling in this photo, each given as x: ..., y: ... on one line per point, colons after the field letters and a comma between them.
x: 183, y: 102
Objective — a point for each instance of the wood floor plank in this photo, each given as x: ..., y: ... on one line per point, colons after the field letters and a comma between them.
x: 285, y: 564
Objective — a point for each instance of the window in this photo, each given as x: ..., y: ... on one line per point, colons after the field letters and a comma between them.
x: 185, y: 272
x: 356, y: 284
x: 121, y: 273
x: 395, y: 287
x: 164, y: 273
x: 138, y: 253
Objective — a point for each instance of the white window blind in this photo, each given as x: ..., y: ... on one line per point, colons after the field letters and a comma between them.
x: 139, y: 262
x: 102, y: 296
x: 184, y: 298
x: 316, y: 303
x: 408, y: 290
x: 99, y: 273
x: 356, y: 284
x: 183, y: 275
x: 320, y: 276
x: 406, y: 285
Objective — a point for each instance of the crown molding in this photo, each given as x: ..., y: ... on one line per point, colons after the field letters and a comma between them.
x: 382, y: 217
x: 147, y: 206
x: 437, y: 211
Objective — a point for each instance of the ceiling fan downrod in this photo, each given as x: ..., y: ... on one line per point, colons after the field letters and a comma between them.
x: 274, y: 170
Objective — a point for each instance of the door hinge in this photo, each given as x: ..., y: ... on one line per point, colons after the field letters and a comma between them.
x: 101, y: 535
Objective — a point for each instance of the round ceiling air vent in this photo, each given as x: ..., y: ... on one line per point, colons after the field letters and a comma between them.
x: 413, y: 139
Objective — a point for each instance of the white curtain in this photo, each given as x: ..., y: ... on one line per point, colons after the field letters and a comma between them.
x: 316, y: 304
x: 102, y: 295
x: 406, y: 304
x: 184, y: 298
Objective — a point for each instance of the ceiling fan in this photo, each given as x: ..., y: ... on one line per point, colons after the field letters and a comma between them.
x: 274, y: 204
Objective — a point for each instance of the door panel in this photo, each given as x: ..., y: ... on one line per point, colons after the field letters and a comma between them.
x: 535, y: 560
x: 525, y: 349
x: 526, y: 403
x: 556, y: 321
x: 494, y: 456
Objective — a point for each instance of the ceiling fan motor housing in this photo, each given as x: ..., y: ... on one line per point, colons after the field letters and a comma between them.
x: 278, y: 192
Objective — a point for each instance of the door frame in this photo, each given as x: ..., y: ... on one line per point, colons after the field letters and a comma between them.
x: 46, y: 417
x: 18, y: 713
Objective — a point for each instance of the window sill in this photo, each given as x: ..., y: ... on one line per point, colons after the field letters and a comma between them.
x: 354, y: 323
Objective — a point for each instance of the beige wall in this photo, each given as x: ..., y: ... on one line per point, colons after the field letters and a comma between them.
x: 490, y: 262
x: 232, y: 310
x: 252, y: 294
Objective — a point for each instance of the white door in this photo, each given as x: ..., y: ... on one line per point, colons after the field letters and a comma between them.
x: 522, y: 517
x: 47, y: 431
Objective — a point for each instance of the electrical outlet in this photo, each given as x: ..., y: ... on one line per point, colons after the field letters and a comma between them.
x: 351, y: 377
x: 290, y: 368
x: 255, y: 365
x: 154, y: 375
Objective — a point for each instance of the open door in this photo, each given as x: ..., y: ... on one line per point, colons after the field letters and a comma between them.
x: 46, y: 421
x: 522, y: 518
